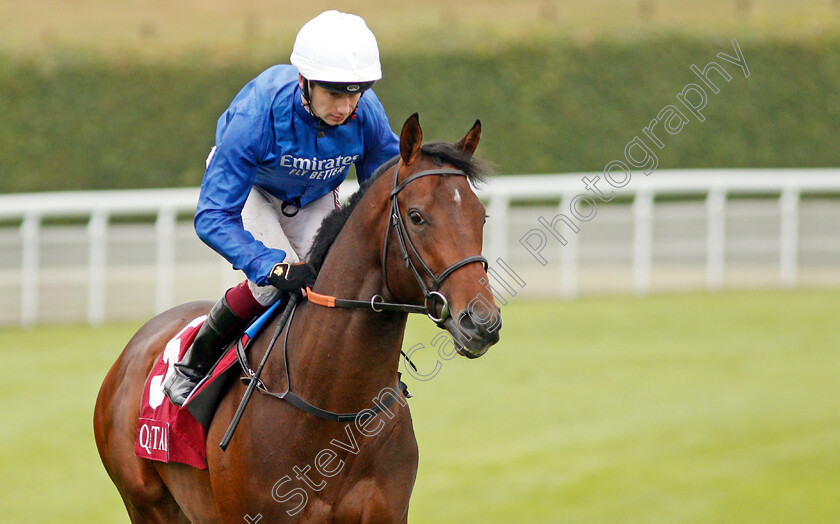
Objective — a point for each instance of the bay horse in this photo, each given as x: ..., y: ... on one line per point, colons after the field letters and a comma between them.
x: 411, y: 235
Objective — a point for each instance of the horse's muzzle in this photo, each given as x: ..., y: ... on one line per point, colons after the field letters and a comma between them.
x: 473, y: 335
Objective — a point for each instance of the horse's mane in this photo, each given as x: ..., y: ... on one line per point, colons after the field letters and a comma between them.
x: 441, y: 152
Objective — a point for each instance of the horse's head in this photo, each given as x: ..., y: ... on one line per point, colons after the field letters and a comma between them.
x: 432, y: 251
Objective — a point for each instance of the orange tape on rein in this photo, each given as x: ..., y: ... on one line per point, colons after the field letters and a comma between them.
x: 321, y: 300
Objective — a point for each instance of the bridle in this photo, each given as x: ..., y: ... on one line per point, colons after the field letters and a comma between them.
x: 405, y: 243
x: 430, y: 293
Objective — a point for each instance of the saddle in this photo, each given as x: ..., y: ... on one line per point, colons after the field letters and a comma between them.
x: 166, y: 432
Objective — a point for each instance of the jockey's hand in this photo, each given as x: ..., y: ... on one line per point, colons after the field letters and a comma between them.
x: 292, y: 277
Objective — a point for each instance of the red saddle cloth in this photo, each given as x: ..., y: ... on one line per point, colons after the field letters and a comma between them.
x: 166, y: 432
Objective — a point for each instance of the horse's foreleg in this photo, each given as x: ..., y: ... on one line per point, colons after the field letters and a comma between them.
x: 191, y: 488
x: 161, y: 512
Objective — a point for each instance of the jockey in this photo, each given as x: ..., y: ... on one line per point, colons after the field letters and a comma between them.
x: 282, y: 148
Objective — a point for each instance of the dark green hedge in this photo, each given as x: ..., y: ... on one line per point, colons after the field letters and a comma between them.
x: 73, y: 123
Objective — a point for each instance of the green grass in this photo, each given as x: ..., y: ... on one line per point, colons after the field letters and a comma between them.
x: 700, y: 408
x: 669, y: 409
x: 49, y: 468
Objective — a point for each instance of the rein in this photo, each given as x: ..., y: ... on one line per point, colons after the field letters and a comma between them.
x: 376, y: 304
x: 254, y: 382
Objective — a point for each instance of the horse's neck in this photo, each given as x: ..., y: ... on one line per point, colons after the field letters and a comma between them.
x: 340, y: 359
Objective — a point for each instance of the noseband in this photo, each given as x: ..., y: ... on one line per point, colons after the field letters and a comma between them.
x: 430, y: 293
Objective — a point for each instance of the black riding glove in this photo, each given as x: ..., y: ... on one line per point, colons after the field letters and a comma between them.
x: 292, y: 277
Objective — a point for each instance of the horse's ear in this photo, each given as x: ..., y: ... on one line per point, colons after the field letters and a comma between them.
x: 470, y: 140
x: 411, y: 138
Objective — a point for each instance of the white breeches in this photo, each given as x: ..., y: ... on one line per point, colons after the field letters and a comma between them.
x: 263, y: 218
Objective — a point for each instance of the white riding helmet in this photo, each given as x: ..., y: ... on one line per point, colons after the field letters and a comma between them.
x: 338, y: 51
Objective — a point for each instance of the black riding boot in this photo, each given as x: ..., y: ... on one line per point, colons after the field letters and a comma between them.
x: 212, y: 338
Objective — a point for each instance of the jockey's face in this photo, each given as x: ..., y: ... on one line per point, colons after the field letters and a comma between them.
x: 333, y: 108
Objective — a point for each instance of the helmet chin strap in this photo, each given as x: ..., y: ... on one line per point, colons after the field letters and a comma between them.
x: 308, y: 105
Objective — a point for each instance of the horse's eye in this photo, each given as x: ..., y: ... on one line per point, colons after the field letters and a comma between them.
x: 415, y: 216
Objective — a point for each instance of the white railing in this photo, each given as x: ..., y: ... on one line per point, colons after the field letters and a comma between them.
x: 105, y: 255
x: 98, y: 207
x: 714, y: 186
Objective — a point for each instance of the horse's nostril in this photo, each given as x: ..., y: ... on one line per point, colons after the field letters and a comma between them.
x: 496, y: 324
x: 466, y: 323
x: 484, y: 325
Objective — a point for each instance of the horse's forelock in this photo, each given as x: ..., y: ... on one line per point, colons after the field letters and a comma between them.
x: 445, y: 153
